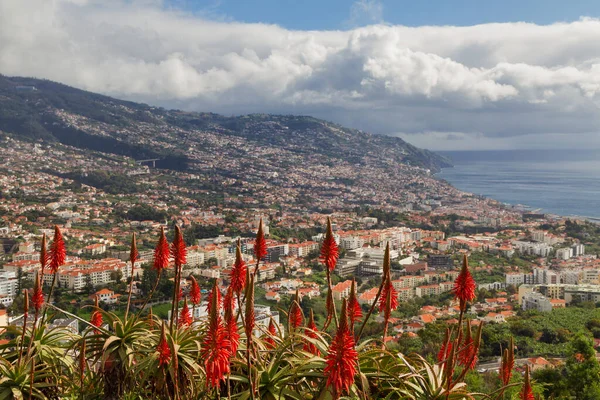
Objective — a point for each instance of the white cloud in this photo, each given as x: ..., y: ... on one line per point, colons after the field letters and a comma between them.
x: 365, y: 12
x: 484, y: 81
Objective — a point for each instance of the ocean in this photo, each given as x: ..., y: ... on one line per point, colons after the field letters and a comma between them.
x: 563, y: 182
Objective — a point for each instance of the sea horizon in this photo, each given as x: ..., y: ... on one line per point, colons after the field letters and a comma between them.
x: 556, y: 181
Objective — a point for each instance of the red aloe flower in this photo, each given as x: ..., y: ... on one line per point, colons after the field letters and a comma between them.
x: 96, y: 318
x: 164, y: 351
x: 133, y: 251
x: 295, y: 314
x: 178, y: 250
x: 507, y: 363
x: 443, y: 353
x: 526, y: 392
x: 195, y: 295
x: 184, y: 316
x: 238, y: 272
x: 468, y: 354
x: 230, y: 321
x: 37, y: 299
x: 260, y: 244
x: 342, y: 358
x: 464, y: 286
x: 58, y: 253
x: 179, y: 294
x: 329, y: 248
x: 216, y: 349
x: 271, y: 333
x: 210, y: 296
x: 354, y: 309
x: 161, y: 252
x: 44, y: 257
x: 449, y: 362
x: 311, y: 332
x: 388, y: 300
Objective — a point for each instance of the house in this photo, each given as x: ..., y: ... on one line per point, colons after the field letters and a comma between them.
x: 558, y: 303
x: 413, y: 327
x: 341, y: 290
x: 494, y: 317
x: 368, y: 297
x: 427, y: 318
x: 95, y: 249
x: 272, y: 296
x: 106, y: 295
x: 538, y: 363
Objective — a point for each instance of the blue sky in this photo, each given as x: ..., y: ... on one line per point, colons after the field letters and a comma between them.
x: 344, y: 14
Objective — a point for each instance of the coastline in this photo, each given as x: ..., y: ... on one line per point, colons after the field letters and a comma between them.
x: 523, y: 208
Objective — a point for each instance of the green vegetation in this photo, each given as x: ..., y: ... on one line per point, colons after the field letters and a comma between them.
x: 144, y: 212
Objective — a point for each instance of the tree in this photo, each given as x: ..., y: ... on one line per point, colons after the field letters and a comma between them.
x: 553, y: 382
x: 116, y: 275
x: 89, y: 286
x: 582, y: 369
x: 19, y: 278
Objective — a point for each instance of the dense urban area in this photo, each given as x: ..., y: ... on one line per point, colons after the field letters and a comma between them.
x: 538, y: 275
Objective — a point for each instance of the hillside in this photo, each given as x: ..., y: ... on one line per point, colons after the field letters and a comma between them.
x: 56, y: 112
x: 296, y: 163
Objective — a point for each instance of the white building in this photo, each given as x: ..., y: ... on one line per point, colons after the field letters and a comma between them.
x: 536, y: 301
x: 515, y: 278
x: 538, y: 249
x: 194, y: 259
x: 8, y: 287
x: 564, y: 253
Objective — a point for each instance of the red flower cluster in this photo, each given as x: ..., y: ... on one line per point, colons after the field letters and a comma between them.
x: 342, y: 358
x: 468, y: 353
x: 238, y: 272
x: 164, y: 351
x: 161, y: 252
x: 216, y: 348
x: 329, y: 248
x: 96, y: 318
x: 37, y: 299
x: 526, y: 392
x: 178, y: 250
x: 311, y: 332
x: 133, y: 251
x: 260, y: 245
x: 296, y: 317
x: 464, y: 286
x: 195, y: 295
x: 388, y: 300
x: 354, y: 310
x: 269, y: 337
x: 230, y: 321
x: 507, y: 363
x: 209, y: 298
x: 58, y: 252
x: 185, y: 318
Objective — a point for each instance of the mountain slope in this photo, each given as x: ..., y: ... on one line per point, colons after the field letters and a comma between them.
x: 40, y: 109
